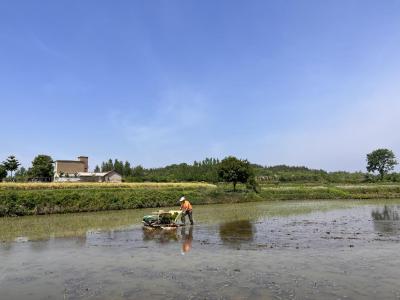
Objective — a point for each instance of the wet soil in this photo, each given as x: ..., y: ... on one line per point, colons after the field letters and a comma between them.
x: 281, y: 250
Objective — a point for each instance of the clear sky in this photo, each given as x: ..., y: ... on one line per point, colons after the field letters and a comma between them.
x: 313, y: 83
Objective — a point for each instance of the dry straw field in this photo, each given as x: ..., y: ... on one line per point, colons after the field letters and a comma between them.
x: 105, y: 185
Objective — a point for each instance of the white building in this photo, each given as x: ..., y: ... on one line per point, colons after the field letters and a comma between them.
x: 111, y: 176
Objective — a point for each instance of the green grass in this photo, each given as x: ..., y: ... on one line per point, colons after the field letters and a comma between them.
x: 18, y: 200
x: 330, y: 192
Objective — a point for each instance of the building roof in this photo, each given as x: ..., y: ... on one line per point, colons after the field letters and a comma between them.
x: 74, y: 161
x: 94, y: 174
x: 89, y: 174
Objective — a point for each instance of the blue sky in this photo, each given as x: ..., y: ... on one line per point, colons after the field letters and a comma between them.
x: 313, y: 83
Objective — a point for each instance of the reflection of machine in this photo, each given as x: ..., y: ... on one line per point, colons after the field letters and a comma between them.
x: 162, y: 219
x: 160, y: 236
x: 184, y: 236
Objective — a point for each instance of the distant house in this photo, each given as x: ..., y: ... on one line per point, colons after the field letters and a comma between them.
x: 111, y: 176
x: 77, y: 171
x: 72, y: 166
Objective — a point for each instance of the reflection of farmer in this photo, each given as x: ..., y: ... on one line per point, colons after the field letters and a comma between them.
x: 186, y: 209
x: 187, y: 240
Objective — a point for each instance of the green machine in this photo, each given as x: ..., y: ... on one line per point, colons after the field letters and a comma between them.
x: 162, y: 219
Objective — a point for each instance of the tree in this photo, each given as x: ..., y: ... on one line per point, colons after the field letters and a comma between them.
x: 252, y: 184
x: 118, y: 166
x: 97, y: 169
x: 42, y: 167
x: 21, y: 174
x: 11, y: 164
x: 234, y: 170
x: 138, y: 171
x: 3, y: 172
x: 107, y: 166
x: 381, y: 161
x: 127, y: 170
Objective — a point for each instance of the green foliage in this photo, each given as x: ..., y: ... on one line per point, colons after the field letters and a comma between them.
x: 252, y: 184
x: 234, y: 170
x: 381, y: 161
x: 283, y: 173
x: 11, y: 164
x: 42, y: 167
x: 345, y: 177
x: 21, y: 201
x: 136, y: 174
x: 127, y: 170
x: 3, y: 172
x: 393, y: 177
x: 46, y: 201
x: 119, y: 166
x: 97, y: 169
x: 138, y: 171
x: 107, y: 166
x: 299, y: 192
x: 288, y: 174
x: 205, y: 170
x: 21, y: 175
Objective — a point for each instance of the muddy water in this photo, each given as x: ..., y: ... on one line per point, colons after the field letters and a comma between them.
x: 279, y: 250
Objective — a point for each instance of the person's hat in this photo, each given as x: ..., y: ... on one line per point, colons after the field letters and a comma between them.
x: 182, y: 199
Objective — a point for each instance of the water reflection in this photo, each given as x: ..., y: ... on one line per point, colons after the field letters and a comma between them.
x: 183, y: 235
x: 235, y: 233
x: 187, y: 239
x: 386, y: 220
x: 39, y: 246
x: 159, y: 235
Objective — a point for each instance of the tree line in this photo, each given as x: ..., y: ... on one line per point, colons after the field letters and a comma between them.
x: 205, y: 170
x: 42, y: 169
x: 380, y: 164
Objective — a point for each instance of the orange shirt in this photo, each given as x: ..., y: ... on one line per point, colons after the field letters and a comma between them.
x: 186, y: 206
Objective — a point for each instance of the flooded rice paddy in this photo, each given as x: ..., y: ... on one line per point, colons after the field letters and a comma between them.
x: 267, y: 250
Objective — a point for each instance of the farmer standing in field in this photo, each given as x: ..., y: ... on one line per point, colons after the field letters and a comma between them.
x: 186, y: 209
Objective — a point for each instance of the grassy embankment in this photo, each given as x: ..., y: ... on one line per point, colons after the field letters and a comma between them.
x: 46, y: 198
